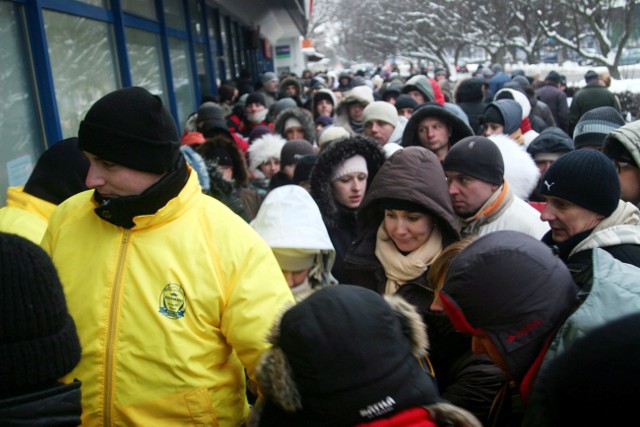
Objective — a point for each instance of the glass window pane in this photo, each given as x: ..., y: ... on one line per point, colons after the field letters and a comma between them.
x: 174, y: 14
x: 146, y: 8
x: 83, y: 64
x: 203, y: 77
x: 234, y: 48
x: 182, y: 80
x: 99, y: 3
x: 196, y: 18
x: 213, y: 43
x: 20, y: 125
x: 145, y: 60
x: 225, y: 48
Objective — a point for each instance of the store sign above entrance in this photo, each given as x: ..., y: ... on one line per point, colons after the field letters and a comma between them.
x: 283, y: 51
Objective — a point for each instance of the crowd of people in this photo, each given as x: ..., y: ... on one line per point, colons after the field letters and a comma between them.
x: 330, y: 250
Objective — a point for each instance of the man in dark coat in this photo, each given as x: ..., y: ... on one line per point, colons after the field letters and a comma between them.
x: 591, y: 96
x: 555, y: 99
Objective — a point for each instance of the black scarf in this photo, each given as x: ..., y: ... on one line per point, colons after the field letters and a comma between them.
x: 563, y: 249
x: 121, y: 211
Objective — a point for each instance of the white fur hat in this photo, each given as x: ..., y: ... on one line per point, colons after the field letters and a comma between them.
x: 264, y: 148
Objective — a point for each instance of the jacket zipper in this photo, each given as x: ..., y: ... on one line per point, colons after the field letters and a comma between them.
x: 112, y: 328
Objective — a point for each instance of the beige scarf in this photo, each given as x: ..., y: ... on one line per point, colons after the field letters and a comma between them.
x: 400, y: 268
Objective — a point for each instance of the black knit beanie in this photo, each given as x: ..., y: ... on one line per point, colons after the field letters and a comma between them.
x: 60, y: 173
x: 255, y: 98
x: 405, y: 101
x: 293, y: 150
x: 132, y: 128
x: 586, y: 178
x: 38, y: 339
x: 492, y: 115
x: 478, y: 157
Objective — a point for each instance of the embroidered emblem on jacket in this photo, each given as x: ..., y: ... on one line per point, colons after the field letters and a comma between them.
x: 173, y: 301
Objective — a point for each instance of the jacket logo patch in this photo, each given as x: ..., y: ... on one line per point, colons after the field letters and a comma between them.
x: 173, y: 301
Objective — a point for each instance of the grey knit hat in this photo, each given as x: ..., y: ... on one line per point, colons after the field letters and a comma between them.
x: 594, y: 126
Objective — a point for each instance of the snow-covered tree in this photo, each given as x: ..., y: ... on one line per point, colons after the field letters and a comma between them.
x: 576, y: 22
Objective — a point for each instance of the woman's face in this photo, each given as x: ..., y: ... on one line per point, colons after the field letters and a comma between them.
x: 270, y: 167
x: 408, y: 230
x: 349, y: 189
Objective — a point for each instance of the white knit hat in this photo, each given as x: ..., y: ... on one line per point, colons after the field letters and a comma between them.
x: 356, y: 163
x: 292, y: 122
x: 380, y: 110
x: 262, y: 149
x: 332, y: 133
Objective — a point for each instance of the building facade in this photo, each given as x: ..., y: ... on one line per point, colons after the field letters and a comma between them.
x: 59, y: 56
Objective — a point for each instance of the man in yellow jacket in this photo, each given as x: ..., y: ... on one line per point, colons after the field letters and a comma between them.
x: 58, y: 174
x: 173, y: 294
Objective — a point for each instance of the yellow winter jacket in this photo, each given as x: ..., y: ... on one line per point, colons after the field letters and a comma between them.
x: 169, y: 312
x: 25, y: 215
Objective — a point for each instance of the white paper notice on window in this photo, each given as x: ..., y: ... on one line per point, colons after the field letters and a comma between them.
x: 18, y: 170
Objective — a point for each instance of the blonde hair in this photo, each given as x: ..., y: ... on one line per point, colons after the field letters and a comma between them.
x: 605, y: 78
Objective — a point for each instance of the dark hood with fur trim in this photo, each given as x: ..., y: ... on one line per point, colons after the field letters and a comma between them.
x: 224, y: 143
x: 343, y: 356
x: 329, y: 159
x: 282, y: 93
x: 302, y: 116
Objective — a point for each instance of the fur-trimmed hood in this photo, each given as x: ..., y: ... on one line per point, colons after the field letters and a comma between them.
x: 343, y: 356
x: 323, y: 93
x: 302, y: 116
x: 362, y: 95
x: 287, y: 82
x: 331, y: 156
x: 222, y: 142
x: 520, y: 170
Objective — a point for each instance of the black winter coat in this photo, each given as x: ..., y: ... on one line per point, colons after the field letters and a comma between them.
x: 340, y: 221
x: 58, y: 406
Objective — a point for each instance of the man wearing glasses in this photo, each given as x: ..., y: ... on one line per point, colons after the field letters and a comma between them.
x: 623, y: 147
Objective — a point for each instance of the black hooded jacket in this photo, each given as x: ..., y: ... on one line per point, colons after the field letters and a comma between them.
x: 341, y: 221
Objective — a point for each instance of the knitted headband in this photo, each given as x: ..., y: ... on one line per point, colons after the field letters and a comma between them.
x: 356, y: 163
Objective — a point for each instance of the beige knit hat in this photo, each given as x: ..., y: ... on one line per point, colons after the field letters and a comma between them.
x: 380, y: 110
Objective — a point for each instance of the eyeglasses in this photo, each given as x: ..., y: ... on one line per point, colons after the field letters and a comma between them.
x: 620, y: 165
